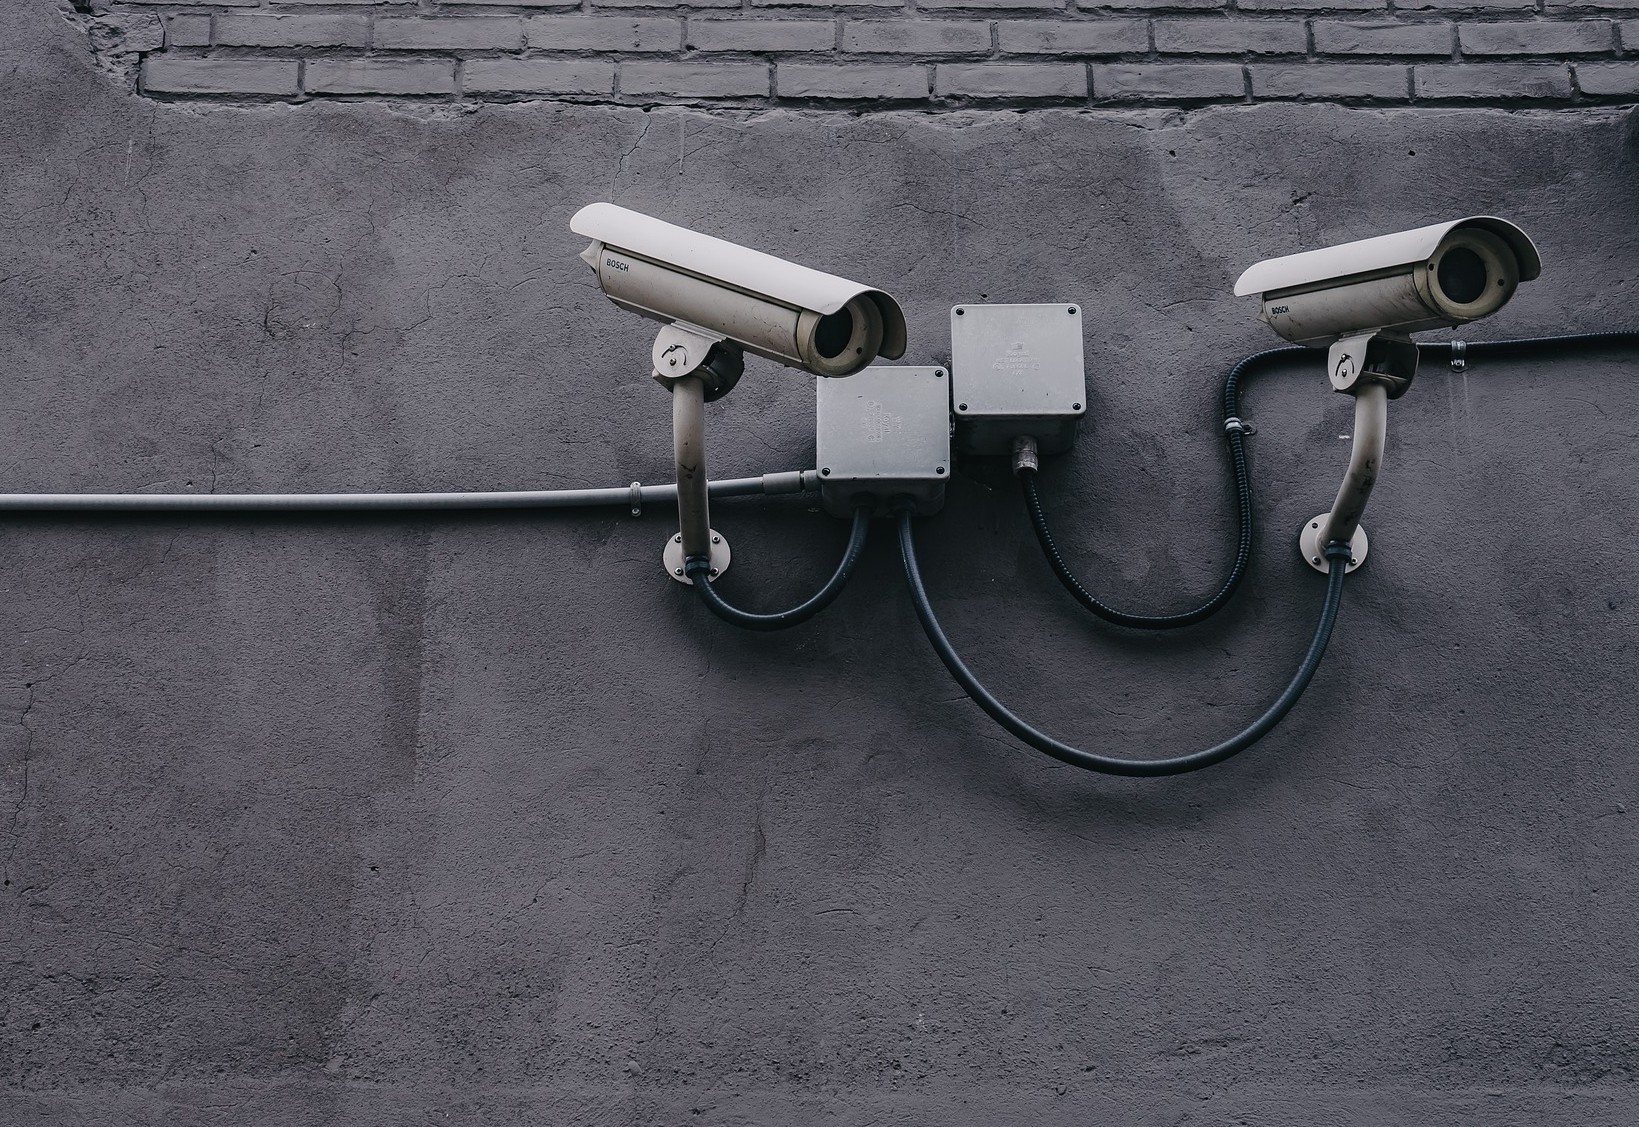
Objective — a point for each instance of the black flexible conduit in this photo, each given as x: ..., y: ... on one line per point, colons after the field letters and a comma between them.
x: 698, y: 568
x: 1234, y: 432
x: 1338, y: 554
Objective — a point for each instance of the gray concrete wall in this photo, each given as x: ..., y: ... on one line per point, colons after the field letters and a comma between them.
x: 481, y: 820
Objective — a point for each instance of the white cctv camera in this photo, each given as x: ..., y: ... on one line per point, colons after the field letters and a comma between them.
x: 1362, y: 299
x: 803, y: 318
x: 1432, y: 277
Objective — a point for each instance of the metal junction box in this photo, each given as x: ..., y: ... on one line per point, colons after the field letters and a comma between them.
x: 884, y: 432
x: 1016, y: 370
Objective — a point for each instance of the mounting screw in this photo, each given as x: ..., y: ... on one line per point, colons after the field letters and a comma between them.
x: 1072, y: 311
x: 961, y: 406
x: 1353, y: 561
x: 677, y: 571
x: 960, y: 311
x: 678, y: 539
x: 712, y: 574
x: 1075, y: 406
x: 938, y: 373
x: 716, y: 539
x: 939, y: 469
x: 825, y: 471
x: 1315, y: 560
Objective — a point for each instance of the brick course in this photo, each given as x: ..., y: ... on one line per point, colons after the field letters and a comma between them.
x: 784, y: 51
x: 1607, y: 79
x: 1231, y: 37
x: 1492, y: 80
x: 220, y: 76
x: 604, y: 33
x: 695, y: 80
x: 1087, y: 37
x: 1332, y: 80
x: 478, y: 33
x: 1168, y: 82
x: 761, y: 34
x: 922, y: 38
x: 235, y: 30
x: 1377, y: 37
x: 1537, y: 38
x: 1010, y: 80
x: 187, y: 31
x: 538, y: 76
x: 380, y: 76
x: 798, y: 80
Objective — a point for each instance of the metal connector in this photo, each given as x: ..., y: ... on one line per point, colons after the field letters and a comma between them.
x: 1025, y: 454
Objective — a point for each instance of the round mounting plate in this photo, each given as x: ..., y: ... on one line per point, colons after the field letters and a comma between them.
x: 1309, y: 543
x: 673, y: 557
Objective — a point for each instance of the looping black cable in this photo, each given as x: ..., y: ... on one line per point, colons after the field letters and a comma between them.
x: 698, y: 568
x: 1234, y: 434
x: 1337, y: 553
x: 1241, y: 476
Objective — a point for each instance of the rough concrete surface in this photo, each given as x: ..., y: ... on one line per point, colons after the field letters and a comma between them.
x: 480, y: 820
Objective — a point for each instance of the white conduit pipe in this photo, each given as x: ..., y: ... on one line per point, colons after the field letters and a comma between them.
x: 633, y: 496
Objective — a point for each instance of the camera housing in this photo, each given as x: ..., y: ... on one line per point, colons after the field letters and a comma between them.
x: 803, y: 318
x: 1432, y: 277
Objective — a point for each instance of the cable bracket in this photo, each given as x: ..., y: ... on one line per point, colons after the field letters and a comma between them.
x: 1459, y: 356
x: 636, y: 494
x: 1236, y: 425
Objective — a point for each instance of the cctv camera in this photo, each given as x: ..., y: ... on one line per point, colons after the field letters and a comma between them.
x: 1432, y: 277
x: 803, y: 318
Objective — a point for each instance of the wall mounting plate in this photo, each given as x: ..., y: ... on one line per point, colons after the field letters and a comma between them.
x: 1309, y: 543
x: 883, y: 433
x: 1017, y: 370
x: 673, y: 557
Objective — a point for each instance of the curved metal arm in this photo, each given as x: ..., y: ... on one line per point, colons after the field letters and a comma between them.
x: 689, y: 447
x: 1371, y: 417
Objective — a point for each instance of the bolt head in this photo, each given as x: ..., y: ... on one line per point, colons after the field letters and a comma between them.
x: 716, y: 539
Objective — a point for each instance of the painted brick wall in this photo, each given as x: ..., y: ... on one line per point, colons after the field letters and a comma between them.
x: 926, y: 53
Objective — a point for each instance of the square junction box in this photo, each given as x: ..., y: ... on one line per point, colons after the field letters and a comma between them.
x: 1016, y: 370
x: 882, y: 433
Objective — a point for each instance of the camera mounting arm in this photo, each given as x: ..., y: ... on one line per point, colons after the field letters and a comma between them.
x: 697, y: 366
x: 1374, y: 368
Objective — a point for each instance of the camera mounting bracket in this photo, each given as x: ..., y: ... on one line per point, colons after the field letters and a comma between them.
x: 1376, y: 357
x: 681, y: 349
x: 696, y: 366
x: 1374, y: 368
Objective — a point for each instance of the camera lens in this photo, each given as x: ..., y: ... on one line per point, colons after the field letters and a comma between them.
x: 835, y: 330
x: 1462, y: 275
